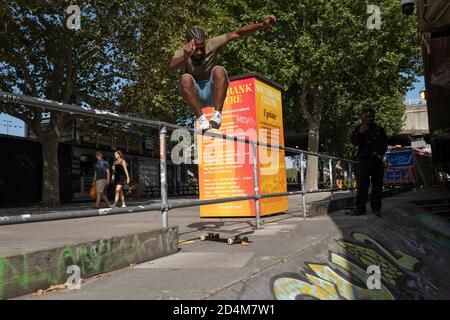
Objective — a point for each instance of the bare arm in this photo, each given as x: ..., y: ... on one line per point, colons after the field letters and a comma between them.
x: 251, y: 28
x: 126, y: 170
x: 95, y: 177
x: 177, y: 62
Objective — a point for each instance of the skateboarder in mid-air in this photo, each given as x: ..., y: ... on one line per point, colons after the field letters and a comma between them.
x: 203, y: 82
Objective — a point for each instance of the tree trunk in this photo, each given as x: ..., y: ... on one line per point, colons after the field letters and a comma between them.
x: 313, y: 119
x: 312, y: 166
x: 50, y: 170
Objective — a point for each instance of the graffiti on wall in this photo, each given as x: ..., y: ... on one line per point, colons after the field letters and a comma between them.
x: 27, y: 271
x: 344, y: 276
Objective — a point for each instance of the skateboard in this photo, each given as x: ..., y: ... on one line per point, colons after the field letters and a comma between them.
x: 232, y: 236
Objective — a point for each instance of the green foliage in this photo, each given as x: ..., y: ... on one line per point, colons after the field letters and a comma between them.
x: 314, y: 43
x: 40, y: 56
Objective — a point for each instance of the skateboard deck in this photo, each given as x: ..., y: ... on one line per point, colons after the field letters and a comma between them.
x: 232, y: 236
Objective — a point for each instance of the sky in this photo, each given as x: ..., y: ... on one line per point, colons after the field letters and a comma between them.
x: 12, y: 126
x: 418, y: 86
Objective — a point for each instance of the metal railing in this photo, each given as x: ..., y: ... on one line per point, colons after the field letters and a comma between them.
x: 165, y: 205
x: 414, y: 102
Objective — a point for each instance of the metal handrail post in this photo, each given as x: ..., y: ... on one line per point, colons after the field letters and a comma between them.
x: 302, y: 175
x: 350, y: 177
x: 395, y: 178
x: 330, y: 163
x: 163, y: 176
x: 256, y: 194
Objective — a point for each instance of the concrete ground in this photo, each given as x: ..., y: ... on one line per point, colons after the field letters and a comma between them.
x: 31, y: 237
x: 323, y: 257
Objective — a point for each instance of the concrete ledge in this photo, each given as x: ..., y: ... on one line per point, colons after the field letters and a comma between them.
x: 26, y: 273
x: 324, y: 207
x: 328, y: 206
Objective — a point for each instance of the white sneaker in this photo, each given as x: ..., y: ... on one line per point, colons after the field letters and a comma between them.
x: 124, y: 205
x: 216, y: 120
x: 203, y: 123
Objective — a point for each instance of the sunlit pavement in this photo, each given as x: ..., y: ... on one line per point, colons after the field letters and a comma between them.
x: 324, y: 257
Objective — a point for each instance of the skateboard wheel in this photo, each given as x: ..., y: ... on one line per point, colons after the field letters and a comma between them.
x: 230, y: 241
x: 202, y: 238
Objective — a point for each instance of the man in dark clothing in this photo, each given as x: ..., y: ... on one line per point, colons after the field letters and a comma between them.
x: 371, y: 141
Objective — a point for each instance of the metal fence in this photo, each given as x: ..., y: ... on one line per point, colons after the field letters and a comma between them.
x: 164, y: 206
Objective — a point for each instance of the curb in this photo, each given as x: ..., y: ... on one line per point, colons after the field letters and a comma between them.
x: 27, y: 273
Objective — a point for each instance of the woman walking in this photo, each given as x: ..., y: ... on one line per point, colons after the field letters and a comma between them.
x: 339, y: 174
x: 121, y: 177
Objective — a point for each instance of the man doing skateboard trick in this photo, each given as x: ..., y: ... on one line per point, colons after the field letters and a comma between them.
x: 203, y: 82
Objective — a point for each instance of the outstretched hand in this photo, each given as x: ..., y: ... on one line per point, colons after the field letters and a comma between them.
x: 269, y: 20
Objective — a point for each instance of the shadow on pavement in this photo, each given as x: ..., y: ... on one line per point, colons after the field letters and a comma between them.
x: 405, y: 254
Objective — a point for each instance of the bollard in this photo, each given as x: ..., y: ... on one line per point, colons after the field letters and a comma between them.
x: 302, y: 174
x: 163, y: 174
x: 254, y: 147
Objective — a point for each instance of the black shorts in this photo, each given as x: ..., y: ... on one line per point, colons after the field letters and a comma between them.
x: 120, y: 182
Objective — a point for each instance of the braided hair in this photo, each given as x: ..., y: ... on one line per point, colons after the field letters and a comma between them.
x: 195, y: 33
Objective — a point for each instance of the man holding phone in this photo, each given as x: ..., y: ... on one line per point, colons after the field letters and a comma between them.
x: 203, y: 82
x: 371, y: 141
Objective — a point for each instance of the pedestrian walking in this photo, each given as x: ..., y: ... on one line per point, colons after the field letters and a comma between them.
x: 101, y: 179
x: 121, y: 177
x: 371, y: 141
x: 339, y: 174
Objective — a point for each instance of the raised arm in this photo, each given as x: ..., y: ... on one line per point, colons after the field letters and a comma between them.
x: 181, y: 56
x: 269, y: 20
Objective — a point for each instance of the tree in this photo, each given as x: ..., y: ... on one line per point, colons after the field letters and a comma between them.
x: 322, y: 51
x: 40, y: 56
x: 155, y: 94
x: 329, y: 61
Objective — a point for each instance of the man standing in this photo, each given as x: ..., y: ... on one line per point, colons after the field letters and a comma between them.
x: 203, y: 83
x: 101, y: 178
x: 371, y: 141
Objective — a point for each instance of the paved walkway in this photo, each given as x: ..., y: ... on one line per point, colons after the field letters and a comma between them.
x: 30, y: 237
x: 324, y: 257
